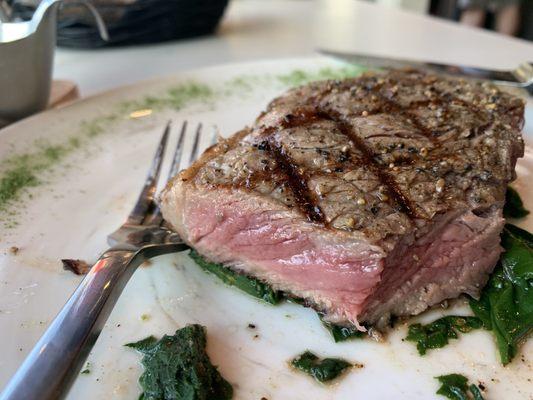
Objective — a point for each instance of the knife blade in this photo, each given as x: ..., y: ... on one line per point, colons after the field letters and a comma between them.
x: 521, y: 77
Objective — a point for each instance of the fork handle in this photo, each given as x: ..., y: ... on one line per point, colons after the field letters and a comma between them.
x: 51, y: 367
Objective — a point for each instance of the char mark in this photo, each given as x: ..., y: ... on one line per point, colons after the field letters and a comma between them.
x: 296, y: 181
x: 409, y: 117
x: 385, y: 178
x: 441, y: 100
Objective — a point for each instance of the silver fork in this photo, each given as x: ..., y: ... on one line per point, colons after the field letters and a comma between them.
x: 51, y: 367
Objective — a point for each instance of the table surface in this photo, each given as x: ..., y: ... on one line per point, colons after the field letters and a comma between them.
x: 265, y: 29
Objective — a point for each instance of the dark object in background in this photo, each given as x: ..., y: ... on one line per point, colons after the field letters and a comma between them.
x: 450, y: 9
x: 444, y: 9
x: 527, y: 20
x: 133, y: 21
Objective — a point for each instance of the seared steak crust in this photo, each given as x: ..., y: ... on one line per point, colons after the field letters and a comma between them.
x: 384, y: 160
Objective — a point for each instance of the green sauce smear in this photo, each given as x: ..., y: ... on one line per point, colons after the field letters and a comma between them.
x: 252, y: 286
x: 342, y: 333
x: 177, y: 367
x: 323, y: 370
x: 438, y: 333
x: 456, y: 387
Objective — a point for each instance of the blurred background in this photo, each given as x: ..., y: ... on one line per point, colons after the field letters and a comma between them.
x: 152, y: 38
x: 148, y: 21
x: 510, y: 17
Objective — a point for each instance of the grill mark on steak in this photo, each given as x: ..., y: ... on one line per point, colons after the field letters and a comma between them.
x: 296, y: 179
x: 404, y: 204
x: 387, y: 105
x: 221, y: 147
x: 468, y: 105
x: 391, y: 106
x: 441, y: 101
x: 297, y: 182
x: 411, y: 119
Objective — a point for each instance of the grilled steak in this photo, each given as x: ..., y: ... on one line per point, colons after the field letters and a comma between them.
x: 368, y: 197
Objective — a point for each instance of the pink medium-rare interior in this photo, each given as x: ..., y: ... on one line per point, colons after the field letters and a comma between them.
x: 340, y: 272
x: 279, y: 246
x: 455, y: 256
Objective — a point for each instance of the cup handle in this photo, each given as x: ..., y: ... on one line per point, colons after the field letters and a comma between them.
x: 100, y: 24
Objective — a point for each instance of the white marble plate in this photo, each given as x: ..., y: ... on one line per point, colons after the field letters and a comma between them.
x: 90, y: 158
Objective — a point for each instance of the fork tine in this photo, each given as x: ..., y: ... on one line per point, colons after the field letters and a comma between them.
x: 194, y: 152
x: 156, y: 217
x: 176, y: 160
x: 146, y: 199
